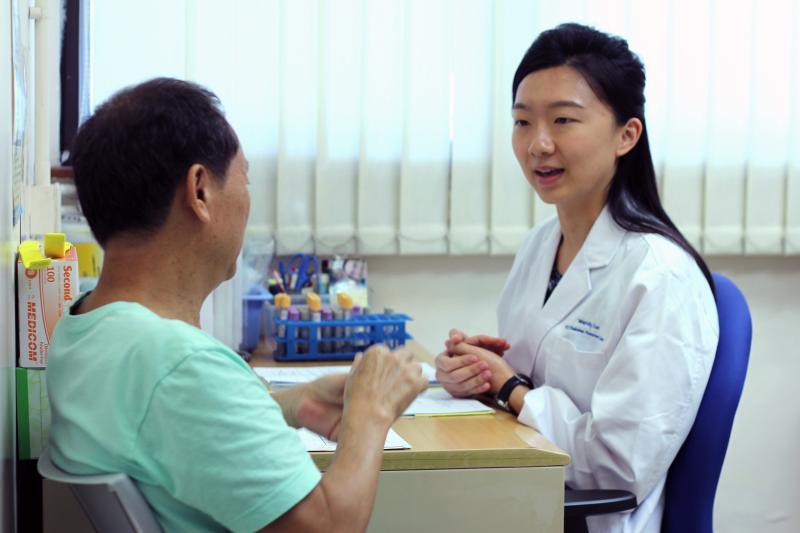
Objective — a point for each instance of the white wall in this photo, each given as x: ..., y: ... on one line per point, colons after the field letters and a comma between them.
x: 7, y: 247
x: 760, y: 485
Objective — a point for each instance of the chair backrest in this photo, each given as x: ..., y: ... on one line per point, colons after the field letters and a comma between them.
x: 111, y: 501
x: 693, y: 476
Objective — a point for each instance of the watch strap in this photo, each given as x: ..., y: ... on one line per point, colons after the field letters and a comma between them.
x: 508, y: 387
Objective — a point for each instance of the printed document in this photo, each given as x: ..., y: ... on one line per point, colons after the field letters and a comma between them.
x: 318, y: 443
x: 433, y: 402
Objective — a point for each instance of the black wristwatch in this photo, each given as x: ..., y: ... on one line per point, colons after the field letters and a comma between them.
x: 504, y: 395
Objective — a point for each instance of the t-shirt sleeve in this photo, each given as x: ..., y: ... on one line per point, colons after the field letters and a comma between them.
x: 217, y: 441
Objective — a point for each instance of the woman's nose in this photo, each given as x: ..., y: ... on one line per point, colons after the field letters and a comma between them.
x: 541, y: 144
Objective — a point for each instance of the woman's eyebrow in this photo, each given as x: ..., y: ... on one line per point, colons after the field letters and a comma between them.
x: 565, y: 103
x: 552, y: 105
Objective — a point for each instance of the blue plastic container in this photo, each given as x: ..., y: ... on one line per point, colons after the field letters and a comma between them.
x: 252, y: 317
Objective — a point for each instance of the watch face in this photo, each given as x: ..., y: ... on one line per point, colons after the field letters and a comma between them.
x: 525, y: 380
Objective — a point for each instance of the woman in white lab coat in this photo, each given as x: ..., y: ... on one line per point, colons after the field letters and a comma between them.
x: 607, y: 323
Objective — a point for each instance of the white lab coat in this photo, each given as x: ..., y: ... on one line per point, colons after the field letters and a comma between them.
x: 619, y: 355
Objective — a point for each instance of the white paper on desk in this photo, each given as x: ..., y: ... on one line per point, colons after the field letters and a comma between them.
x: 437, y: 401
x: 293, y: 375
x: 318, y: 443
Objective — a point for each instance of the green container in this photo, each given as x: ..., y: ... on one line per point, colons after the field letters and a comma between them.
x: 33, y: 412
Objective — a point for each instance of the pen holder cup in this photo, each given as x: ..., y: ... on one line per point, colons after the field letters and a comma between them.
x: 252, y: 317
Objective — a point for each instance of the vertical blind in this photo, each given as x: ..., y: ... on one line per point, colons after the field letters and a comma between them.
x: 384, y: 126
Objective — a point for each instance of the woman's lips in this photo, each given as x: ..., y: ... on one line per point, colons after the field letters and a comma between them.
x: 548, y: 176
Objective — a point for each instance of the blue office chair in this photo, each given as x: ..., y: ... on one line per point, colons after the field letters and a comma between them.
x: 693, y: 476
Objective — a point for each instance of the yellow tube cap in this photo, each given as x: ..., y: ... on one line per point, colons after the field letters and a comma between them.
x: 283, y: 300
x: 314, y: 303
x: 345, y: 300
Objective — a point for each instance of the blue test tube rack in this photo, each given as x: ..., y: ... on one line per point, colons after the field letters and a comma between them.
x: 254, y: 313
x: 305, y: 340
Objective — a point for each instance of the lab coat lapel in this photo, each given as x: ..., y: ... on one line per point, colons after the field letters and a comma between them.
x: 543, y: 267
x: 603, y: 241
x: 532, y: 322
x: 574, y: 286
x: 600, y: 247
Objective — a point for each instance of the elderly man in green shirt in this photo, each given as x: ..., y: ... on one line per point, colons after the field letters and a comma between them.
x: 137, y: 387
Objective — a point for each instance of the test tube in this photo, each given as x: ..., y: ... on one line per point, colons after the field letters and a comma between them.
x: 366, y: 329
x: 294, y: 314
x: 346, y: 303
x: 302, y: 332
x: 327, y: 314
x: 315, y: 315
x: 338, y: 331
x: 355, y: 316
x: 388, y: 331
x: 282, y: 302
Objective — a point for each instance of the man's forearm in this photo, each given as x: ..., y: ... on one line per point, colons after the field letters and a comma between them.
x: 350, y: 482
x: 352, y: 479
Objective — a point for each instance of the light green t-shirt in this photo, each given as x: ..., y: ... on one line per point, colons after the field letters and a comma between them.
x: 177, y: 411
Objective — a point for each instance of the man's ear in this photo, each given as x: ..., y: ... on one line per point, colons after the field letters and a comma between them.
x: 629, y: 136
x: 199, y: 191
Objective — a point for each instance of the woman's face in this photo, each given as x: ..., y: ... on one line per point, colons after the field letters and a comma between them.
x: 566, y: 140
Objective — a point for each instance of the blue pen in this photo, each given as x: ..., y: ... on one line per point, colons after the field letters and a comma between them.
x: 299, y: 270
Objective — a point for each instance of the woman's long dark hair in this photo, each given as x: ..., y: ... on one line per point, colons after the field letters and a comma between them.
x: 616, y: 75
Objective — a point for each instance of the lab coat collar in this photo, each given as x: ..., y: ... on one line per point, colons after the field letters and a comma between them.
x: 603, y: 240
x: 597, y: 251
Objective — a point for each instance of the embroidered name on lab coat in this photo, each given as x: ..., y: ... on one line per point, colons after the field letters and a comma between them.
x: 584, y: 335
x: 587, y: 328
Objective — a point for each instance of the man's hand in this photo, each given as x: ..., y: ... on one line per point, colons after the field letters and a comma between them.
x: 320, y: 405
x: 382, y: 384
x: 379, y: 387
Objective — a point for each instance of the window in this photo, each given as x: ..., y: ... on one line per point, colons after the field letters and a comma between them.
x: 383, y: 127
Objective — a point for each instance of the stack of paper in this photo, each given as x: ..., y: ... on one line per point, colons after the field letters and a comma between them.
x: 279, y: 377
x: 438, y: 402
x: 433, y: 402
x: 318, y: 443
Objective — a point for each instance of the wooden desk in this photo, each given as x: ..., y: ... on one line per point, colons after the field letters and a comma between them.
x: 466, y: 474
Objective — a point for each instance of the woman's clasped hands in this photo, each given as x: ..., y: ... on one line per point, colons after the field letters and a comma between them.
x: 472, y: 365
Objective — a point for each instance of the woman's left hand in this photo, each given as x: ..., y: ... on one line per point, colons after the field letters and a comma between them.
x: 501, y: 371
